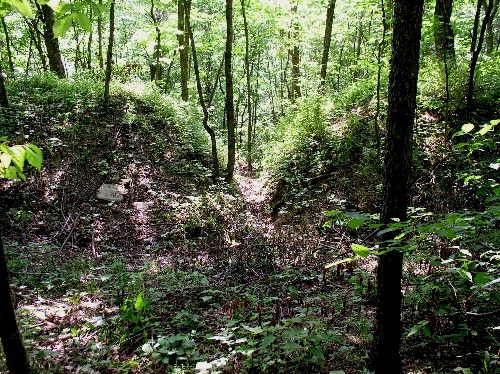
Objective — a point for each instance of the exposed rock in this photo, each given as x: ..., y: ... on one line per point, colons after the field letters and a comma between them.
x: 111, y: 192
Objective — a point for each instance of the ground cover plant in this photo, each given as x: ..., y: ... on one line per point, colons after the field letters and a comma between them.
x: 249, y: 187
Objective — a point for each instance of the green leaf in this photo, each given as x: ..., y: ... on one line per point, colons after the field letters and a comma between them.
x: 62, y: 25
x: 485, y: 129
x: 267, y: 341
x: 355, y: 223
x: 22, y: 7
x: 481, y: 278
x: 468, y: 127
x: 254, y: 330
x: 328, y: 266
x: 5, y: 160
x: 18, y: 153
x: 83, y: 20
x: 34, y: 156
x: 361, y: 250
x: 11, y: 172
x: 206, y: 298
x: 139, y: 302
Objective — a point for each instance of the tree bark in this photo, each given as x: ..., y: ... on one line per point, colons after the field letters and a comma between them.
x: 4, y: 100
x: 490, y: 34
x: 380, y: 53
x: 15, y: 354
x: 229, y: 106
x: 205, y: 105
x: 249, y: 89
x: 89, y: 46
x: 444, y: 37
x: 35, y: 33
x: 477, y: 44
x: 7, y: 44
x: 384, y: 356
x: 330, y: 13
x: 99, y: 39
x: 295, y: 57
x: 156, y: 69
x: 52, y: 43
x: 109, y: 55
x: 183, y: 40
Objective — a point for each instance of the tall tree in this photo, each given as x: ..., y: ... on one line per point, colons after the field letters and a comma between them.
x: 4, y: 100
x: 99, y: 37
x: 51, y: 42
x: 249, y: 89
x: 229, y: 106
x: 444, y: 37
x: 7, y: 44
x: 155, y: 69
x: 15, y: 354
x: 477, y: 43
x: 327, y: 39
x: 183, y: 40
x: 407, y: 21
x: 206, y: 104
x: 109, y: 54
x: 294, y: 53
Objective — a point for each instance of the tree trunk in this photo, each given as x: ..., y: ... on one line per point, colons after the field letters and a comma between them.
x: 490, y: 35
x: 15, y: 354
x: 380, y: 53
x: 52, y: 43
x: 249, y: 89
x: 477, y: 44
x: 7, y: 44
x: 4, y: 100
x: 444, y: 37
x: 37, y: 41
x: 109, y: 55
x: 205, y: 105
x: 89, y: 46
x: 228, y: 70
x: 330, y: 12
x: 295, y: 57
x: 384, y: 356
x: 183, y: 40
x: 99, y: 39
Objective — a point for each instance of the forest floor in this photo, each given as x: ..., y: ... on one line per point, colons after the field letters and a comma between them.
x: 183, y: 275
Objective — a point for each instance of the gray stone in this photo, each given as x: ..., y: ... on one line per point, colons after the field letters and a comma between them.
x: 111, y: 192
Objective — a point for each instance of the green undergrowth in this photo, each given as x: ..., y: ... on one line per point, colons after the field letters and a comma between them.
x: 313, y: 152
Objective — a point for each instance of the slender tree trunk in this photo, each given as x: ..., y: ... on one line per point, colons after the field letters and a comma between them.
x: 489, y: 37
x: 28, y: 60
x: 476, y: 45
x: 385, y: 357
x: 249, y: 89
x: 89, y: 46
x: 7, y: 44
x: 295, y: 57
x: 330, y: 12
x: 99, y: 39
x: 34, y: 33
x: 206, y: 104
x: 183, y: 40
x: 443, y: 32
x: 109, y: 55
x: 52, y: 43
x: 15, y: 354
x: 4, y: 100
x: 380, y: 53
x: 228, y: 70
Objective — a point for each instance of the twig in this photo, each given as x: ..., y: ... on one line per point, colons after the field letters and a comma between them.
x: 70, y: 231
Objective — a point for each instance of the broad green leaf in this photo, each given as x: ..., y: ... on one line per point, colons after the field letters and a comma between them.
x: 22, y: 7
x: 10, y: 172
x: 5, y: 160
x: 62, y: 25
x: 34, y: 156
x: 83, y: 20
x: 328, y: 266
x: 360, y: 250
x: 206, y: 298
x: 355, y: 223
x: 468, y: 127
x: 337, y: 372
x: 481, y: 278
x: 139, y: 302
x: 254, y: 330
x: 485, y: 129
x: 18, y: 153
x: 267, y: 341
